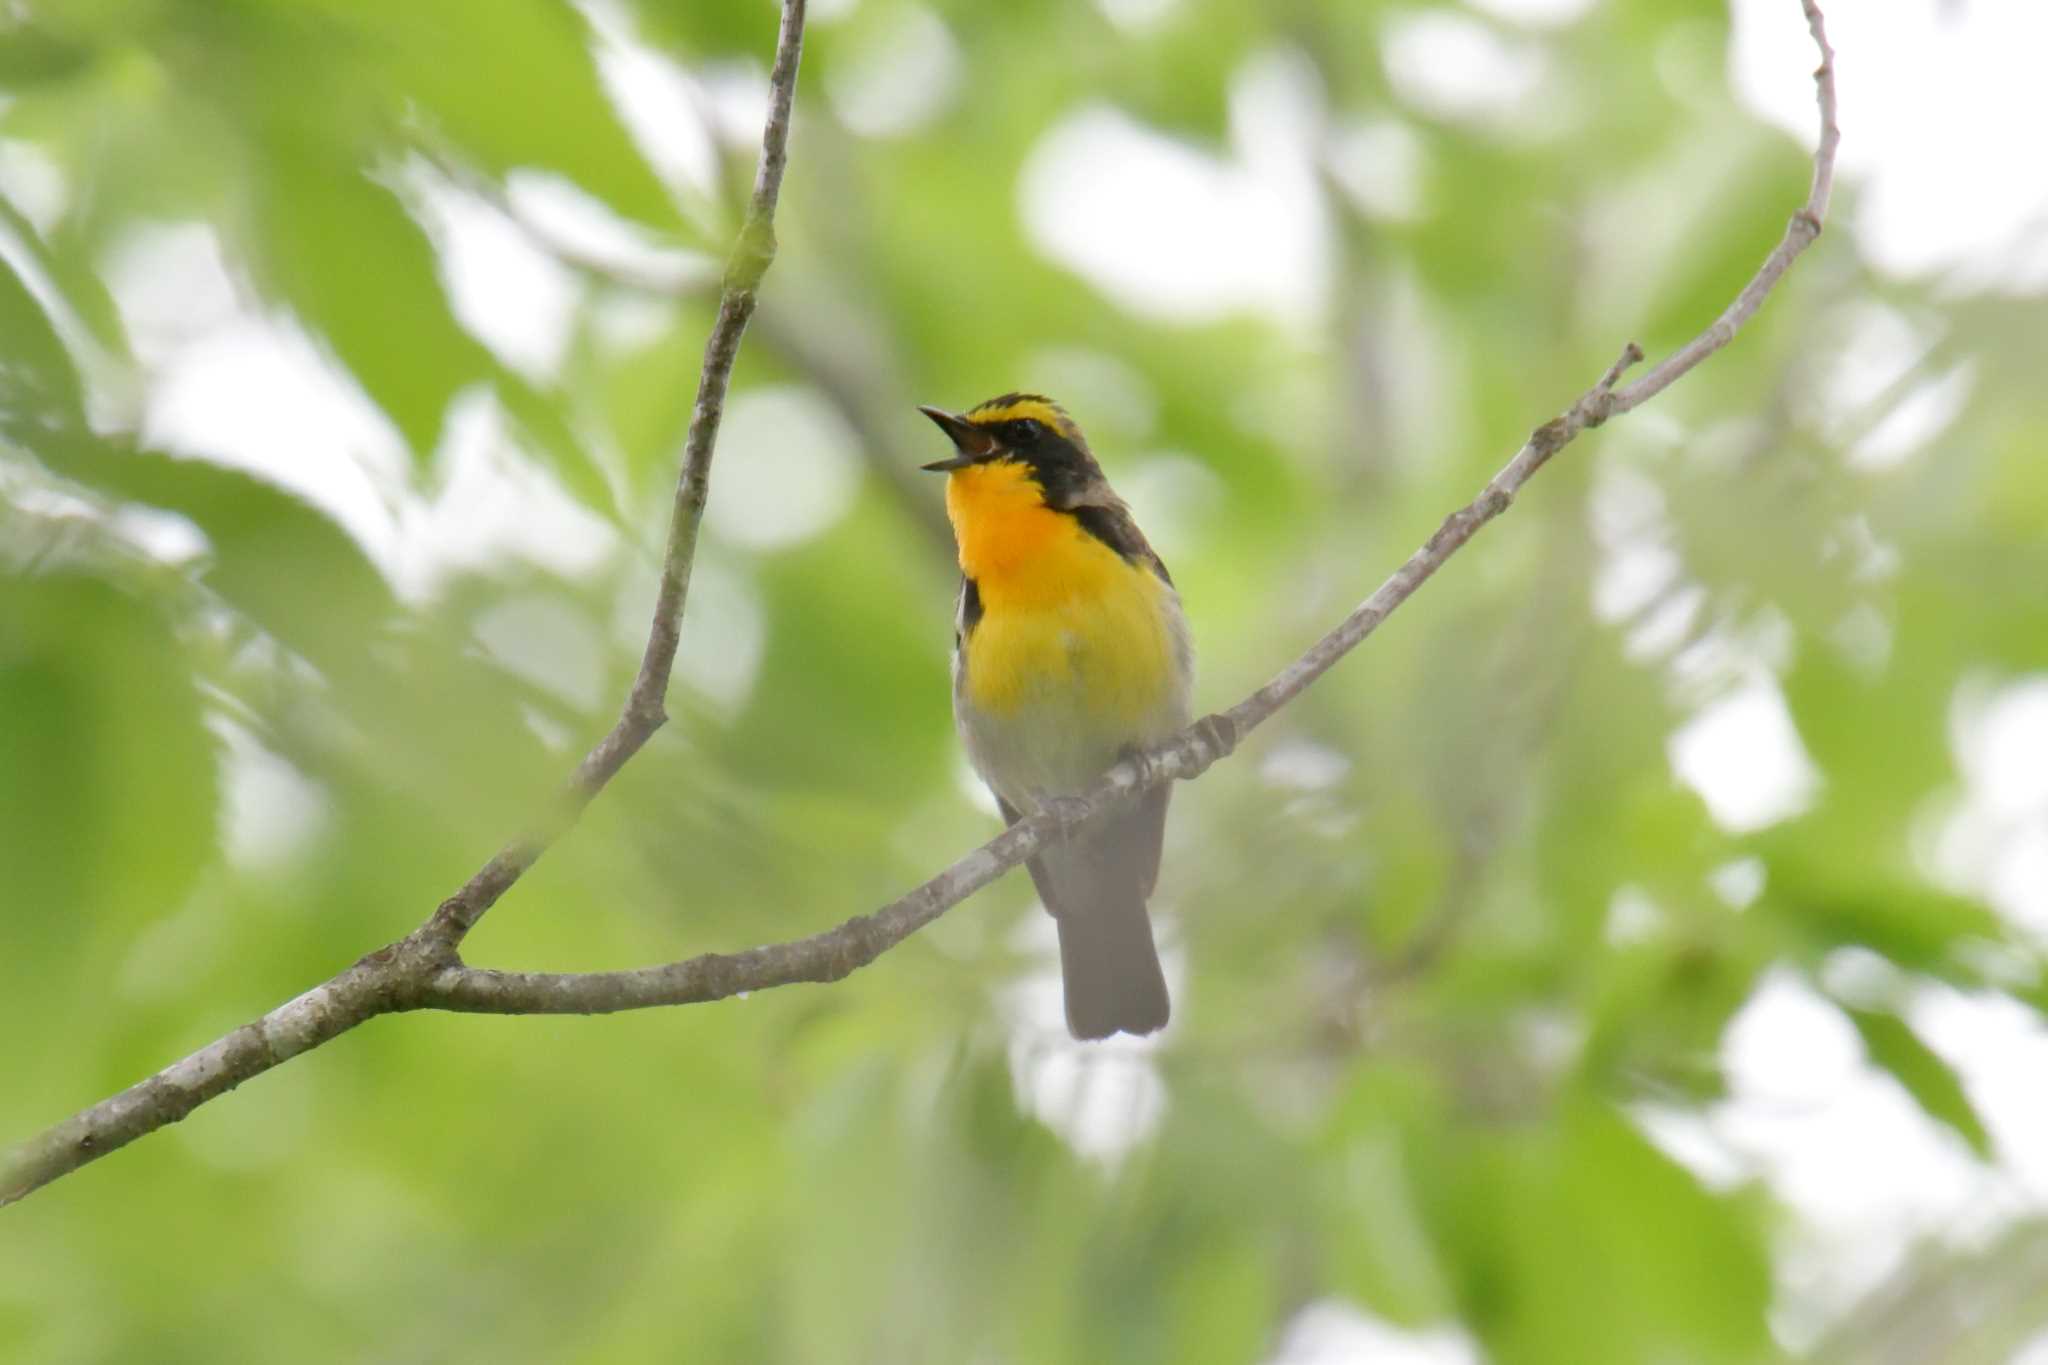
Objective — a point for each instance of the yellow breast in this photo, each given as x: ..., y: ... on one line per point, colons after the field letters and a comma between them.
x: 1069, y: 628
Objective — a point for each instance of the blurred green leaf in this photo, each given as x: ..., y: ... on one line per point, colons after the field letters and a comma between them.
x: 1581, y: 1241
x: 76, y: 279
x: 513, y: 84
x: 32, y: 53
x: 361, y: 272
x: 1933, y: 1084
x: 1830, y: 904
x: 741, y: 28
x: 326, y: 608
x: 542, y: 418
x: 107, y: 788
x: 40, y: 399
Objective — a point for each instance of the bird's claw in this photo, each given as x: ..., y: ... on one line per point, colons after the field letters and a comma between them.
x: 1207, y: 740
x: 1203, y: 743
x: 1067, y: 813
x: 1218, y: 734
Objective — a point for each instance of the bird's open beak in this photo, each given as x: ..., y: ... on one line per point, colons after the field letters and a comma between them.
x: 973, y: 444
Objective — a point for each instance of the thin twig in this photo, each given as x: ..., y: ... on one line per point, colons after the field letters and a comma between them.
x: 422, y: 971
x: 380, y: 982
x: 1799, y: 234
x: 644, y: 712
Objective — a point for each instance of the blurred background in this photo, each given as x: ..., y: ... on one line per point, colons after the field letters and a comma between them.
x: 1633, y: 953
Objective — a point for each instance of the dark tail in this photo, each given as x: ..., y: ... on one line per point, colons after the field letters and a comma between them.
x: 1111, y: 970
x: 1095, y: 887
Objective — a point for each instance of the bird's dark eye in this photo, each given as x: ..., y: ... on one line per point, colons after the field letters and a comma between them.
x: 1024, y: 431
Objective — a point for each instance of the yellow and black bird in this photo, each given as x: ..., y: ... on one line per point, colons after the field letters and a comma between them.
x: 1069, y: 650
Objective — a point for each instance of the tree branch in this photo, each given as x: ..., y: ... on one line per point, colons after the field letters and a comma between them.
x: 1799, y: 234
x: 423, y: 971
x: 384, y: 979
x: 644, y: 712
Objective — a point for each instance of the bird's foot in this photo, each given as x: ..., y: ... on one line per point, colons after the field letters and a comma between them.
x: 1216, y: 734
x: 1188, y: 754
x: 1068, y: 814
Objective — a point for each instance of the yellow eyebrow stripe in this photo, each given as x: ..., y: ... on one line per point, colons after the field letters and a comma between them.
x: 1029, y: 407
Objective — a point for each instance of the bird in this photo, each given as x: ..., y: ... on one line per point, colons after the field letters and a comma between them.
x: 1070, y: 651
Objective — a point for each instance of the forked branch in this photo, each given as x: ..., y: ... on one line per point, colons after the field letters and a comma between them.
x: 424, y: 970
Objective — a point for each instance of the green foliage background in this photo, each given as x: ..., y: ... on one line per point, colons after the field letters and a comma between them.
x: 1359, y: 1102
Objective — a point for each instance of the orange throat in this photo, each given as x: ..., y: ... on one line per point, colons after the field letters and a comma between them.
x: 1005, y: 530
x: 1074, y: 644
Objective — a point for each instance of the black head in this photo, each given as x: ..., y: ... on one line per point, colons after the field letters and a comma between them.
x: 1030, y: 429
